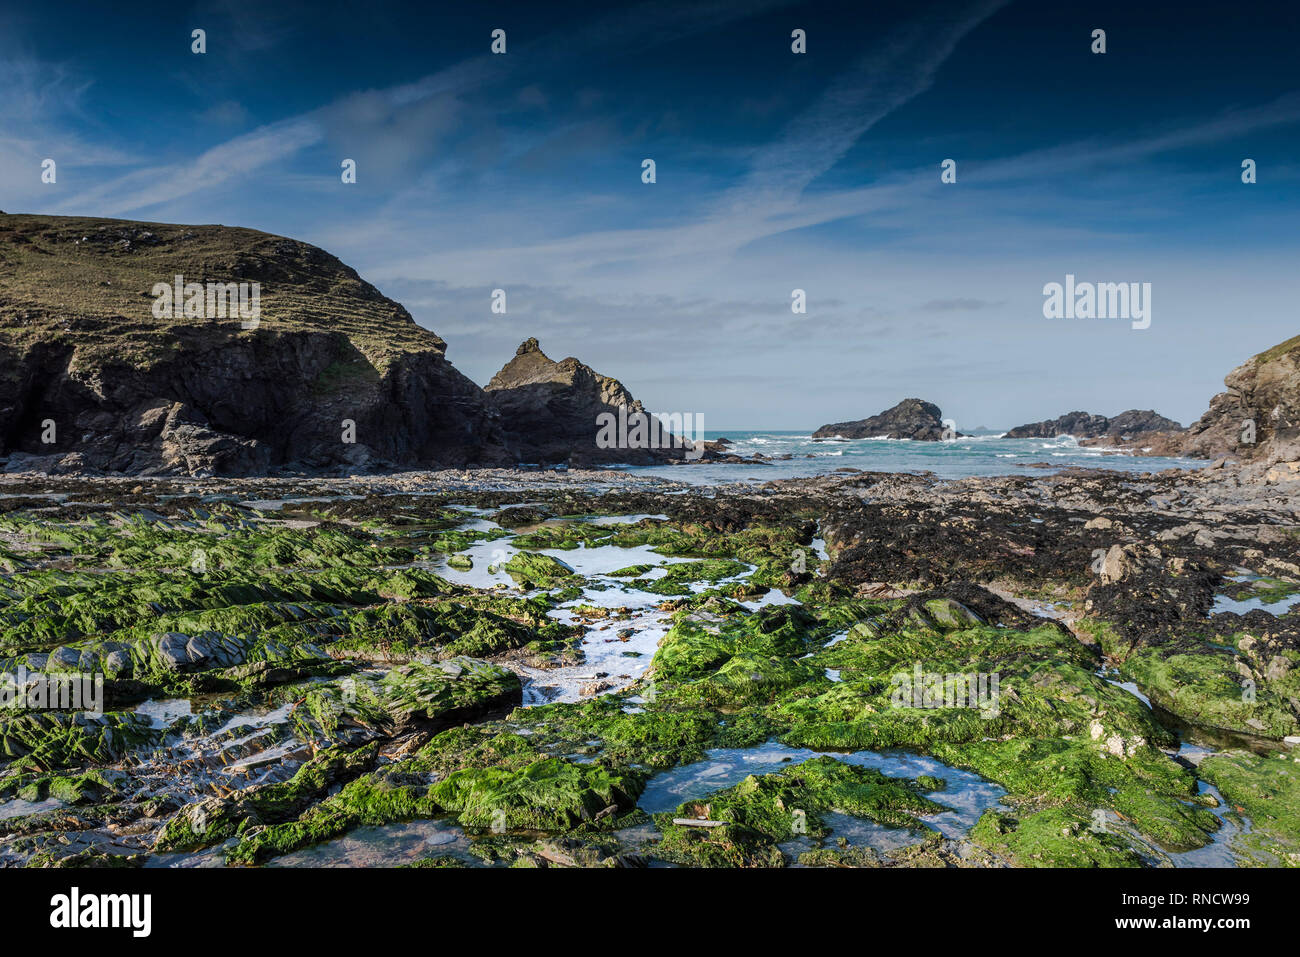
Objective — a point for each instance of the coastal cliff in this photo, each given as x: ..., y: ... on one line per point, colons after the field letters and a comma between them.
x: 104, y: 371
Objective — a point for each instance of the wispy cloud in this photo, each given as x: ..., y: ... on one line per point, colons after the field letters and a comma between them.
x: 888, y: 76
x: 407, y: 118
x: 236, y: 158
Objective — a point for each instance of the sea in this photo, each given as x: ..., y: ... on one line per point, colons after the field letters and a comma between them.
x: 989, y: 453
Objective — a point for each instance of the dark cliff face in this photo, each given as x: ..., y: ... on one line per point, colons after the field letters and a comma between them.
x: 549, y: 411
x: 1084, y: 425
x: 910, y: 419
x: 334, y: 376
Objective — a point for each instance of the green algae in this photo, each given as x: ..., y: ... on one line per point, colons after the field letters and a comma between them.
x: 214, y: 820
x: 1216, y: 688
x: 680, y: 576
x: 631, y: 571
x: 763, y: 811
x: 531, y: 570
x: 1057, y: 837
x: 552, y: 794
x: 1267, y: 791
x: 63, y: 610
x: 654, y: 738
x: 744, y: 679
x: 86, y: 859
x: 210, y: 541
x: 948, y: 614
x: 296, y: 633
x: 702, y: 640
x: 1266, y: 589
x: 274, y: 605
x: 491, y: 744
x: 707, y: 660
x: 770, y: 549
x: 1046, y: 685
x: 1150, y: 791
x: 382, y: 797
x: 50, y: 740
x: 412, y: 695
x: 436, y: 861
x: 840, y: 857
x: 91, y: 786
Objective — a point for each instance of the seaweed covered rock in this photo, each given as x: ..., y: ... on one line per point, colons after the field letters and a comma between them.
x: 534, y: 570
x: 1267, y: 791
x: 46, y: 740
x: 741, y: 826
x: 654, y: 737
x: 381, y: 797
x: 735, y: 660
x: 429, y: 697
x: 548, y: 795
x: 214, y: 820
x: 1056, y: 837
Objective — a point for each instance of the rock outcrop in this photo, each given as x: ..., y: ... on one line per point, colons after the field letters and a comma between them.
x: 1257, y: 417
x: 549, y: 412
x: 910, y: 419
x: 1084, y: 425
x: 330, y: 375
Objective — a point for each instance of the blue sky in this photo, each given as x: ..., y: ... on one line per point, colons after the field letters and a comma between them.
x: 775, y: 171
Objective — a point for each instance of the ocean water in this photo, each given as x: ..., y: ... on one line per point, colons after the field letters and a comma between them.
x: 988, y: 454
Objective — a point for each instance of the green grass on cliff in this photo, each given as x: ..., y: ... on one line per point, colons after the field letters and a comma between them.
x: 87, y: 283
x: 1279, y: 350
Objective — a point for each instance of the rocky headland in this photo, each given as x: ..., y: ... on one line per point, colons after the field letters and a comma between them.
x: 552, y: 409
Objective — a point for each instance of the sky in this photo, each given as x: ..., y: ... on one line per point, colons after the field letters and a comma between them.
x: 774, y: 171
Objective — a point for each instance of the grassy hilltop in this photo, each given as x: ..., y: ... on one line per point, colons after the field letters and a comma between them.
x: 87, y: 282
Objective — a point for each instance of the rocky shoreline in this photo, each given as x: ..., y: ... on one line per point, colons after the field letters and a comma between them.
x: 591, y: 668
